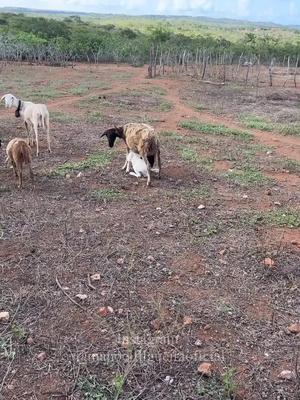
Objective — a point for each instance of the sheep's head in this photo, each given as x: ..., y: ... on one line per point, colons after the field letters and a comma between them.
x: 112, y: 135
x: 10, y: 100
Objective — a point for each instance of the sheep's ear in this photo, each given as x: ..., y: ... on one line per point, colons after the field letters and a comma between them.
x: 103, y: 134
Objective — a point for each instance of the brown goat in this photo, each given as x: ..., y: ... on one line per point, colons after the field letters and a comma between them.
x: 18, y: 153
x: 141, y: 139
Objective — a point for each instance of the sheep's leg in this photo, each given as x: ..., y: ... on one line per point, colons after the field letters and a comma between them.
x: 31, y: 172
x: 35, y: 127
x: 126, y: 162
x: 158, y: 162
x: 28, y: 134
x: 48, y: 133
x: 20, y: 174
x: 148, y: 171
x: 15, y: 169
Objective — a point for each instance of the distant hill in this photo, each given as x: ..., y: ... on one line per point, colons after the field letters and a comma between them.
x: 197, y: 19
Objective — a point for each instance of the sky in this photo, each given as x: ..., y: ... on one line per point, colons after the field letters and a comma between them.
x: 279, y: 11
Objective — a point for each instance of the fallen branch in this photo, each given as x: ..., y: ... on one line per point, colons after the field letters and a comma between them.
x: 68, y: 296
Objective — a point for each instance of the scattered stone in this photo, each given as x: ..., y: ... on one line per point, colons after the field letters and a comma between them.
x: 169, y: 380
x: 157, y: 233
x: 79, y: 175
x: 294, y: 328
x: 42, y: 356
x: 187, y: 320
x: 125, y: 342
x: 105, y: 311
x: 68, y: 176
x: 81, y: 296
x: 201, y: 207
x: 110, y: 310
x: 81, y: 230
x: 95, y: 277
x: 98, y: 209
x: 286, y: 375
x: 245, y: 196
x: 158, y: 208
x: 269, y: 193
x: 4, y: 316
x: 30, y: 340
x: 155, y: 324
x: 151, y: 258
x: 277, y: 203
x: 120, y: 261
x: 269, y: 152
x: 223, y: 252
x: 198, y: 343
x: 268, y: 262
x: 205, y: 369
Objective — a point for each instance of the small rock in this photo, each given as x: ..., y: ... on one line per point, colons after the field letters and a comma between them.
x: 201, y: 207
x: 294, y: 328
x: 81, y: 230
x: 125, y: 342
x: 286, y: 375
x: 158, y: 208
x: 157, y: 233
x: 79, y: 175
x: 42, y: 356
x: 169, y: 380
x: 269, y: 152
x: 187, y: 320
x: 120, y: 261
x: 222, y: 252
x: 95, y: 277
x: 205, y: 369
x: 30, y: 340
x: 68, y: 176
x: 198, y: 343
x: 98, y: 209
x: 269, y: 193
x: 155, y: 324
x: 151, y: 258
x: 268, y: 262
x: 277, y: 203
x: 105, y: 311
x: 4, y: 316
x: 81, y: 296
x: 245, y: 196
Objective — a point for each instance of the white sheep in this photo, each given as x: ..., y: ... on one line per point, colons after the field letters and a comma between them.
x: 34, y: 115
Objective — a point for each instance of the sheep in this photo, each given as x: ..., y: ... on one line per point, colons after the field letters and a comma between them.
x: 141, y: 139
x: 138, y: 164
x: 32, y: 114
x: 18, y: 153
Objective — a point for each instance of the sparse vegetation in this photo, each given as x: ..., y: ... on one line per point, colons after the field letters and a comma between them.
x: 255, y: 122
x: 281, y: 218
x: 93, y: 161
x: 247, y: 176
x: 212, y: 129
x: 106, y: 194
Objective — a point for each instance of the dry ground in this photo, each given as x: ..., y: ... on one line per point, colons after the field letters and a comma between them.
x: 185, y: 284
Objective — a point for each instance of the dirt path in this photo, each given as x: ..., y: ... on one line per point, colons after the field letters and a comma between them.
x: 288, y: 146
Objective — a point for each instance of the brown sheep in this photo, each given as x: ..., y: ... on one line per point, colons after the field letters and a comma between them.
x: 18, y: 153
x: 141, y: 139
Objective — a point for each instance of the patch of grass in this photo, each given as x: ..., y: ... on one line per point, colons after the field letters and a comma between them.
x: 199, y: 193
x: 165, y: 106
x: 291, y: 165
x: 217, y: 387
x: 281, y: 218
x: 91, y: 389
x: 255, y: 122
x: 64, y: 118
x: 171, y: 135
x: 91, y: 162
x: 18, y: 331
x: 106, y: 194
x: 213, y: 129
x: 225, y: 309
x: 80, y: 90
x: 156, y: 90
x: 189, y: 154
x: 94, y: 117
x: 247, y: 177
x: 6, y: 349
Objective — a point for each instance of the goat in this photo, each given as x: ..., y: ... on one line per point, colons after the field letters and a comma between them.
x: 32, y: 114
x: 138, y: 164
x: 18, y: 153
x: 141, y: 139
